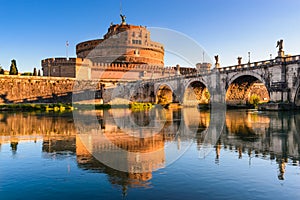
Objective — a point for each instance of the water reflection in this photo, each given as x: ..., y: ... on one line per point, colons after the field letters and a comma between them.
x: 272, y: 136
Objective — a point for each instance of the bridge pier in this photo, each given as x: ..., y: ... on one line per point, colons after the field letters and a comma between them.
x: 279, y: 96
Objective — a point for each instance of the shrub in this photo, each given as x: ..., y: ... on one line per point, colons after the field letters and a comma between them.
x: 254, y: 100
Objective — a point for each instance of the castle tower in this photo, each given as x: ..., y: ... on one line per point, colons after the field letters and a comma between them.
x: 123, y: 43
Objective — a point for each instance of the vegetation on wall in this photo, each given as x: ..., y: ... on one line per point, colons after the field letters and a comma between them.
x: 26, y: 74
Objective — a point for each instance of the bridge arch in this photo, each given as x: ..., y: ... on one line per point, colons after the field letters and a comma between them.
x: 195, y: 92
x: 164, y: 94
x: 246, y: 87
x: 246, y: 73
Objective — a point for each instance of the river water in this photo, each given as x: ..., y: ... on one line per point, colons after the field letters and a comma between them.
x: 157, y: 154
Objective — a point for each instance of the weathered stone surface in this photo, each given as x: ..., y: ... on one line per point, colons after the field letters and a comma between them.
x: 18, y: 89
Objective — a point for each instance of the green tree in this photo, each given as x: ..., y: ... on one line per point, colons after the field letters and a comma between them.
x: 1, y: 70
x: 254, y: 100
x: 34, y: 72
x: 39, y: 72
x: 13, y: 68
x: 26, y: 74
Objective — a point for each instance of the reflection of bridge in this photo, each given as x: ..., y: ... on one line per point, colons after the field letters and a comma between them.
x: 274, y: 134
x: 280, y: 76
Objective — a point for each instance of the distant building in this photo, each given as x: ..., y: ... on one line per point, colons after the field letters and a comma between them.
x: 203, y: 67
x: 126, y: 51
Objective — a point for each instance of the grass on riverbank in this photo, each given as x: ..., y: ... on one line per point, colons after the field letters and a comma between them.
x: 140, y: 106
x: 56, y: 107
x: 37, y: 107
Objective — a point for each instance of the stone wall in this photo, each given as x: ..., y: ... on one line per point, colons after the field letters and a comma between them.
x: 62, y: 67
x: 29, y: 89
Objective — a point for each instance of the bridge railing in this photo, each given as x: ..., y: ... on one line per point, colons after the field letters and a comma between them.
x: 259, y: 64
x: 248, y: 65
x: 264, y: 63
x: 292, y: 58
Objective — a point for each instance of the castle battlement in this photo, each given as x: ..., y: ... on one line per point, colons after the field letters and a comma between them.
x: 59, y: 60
x: 63, y: 67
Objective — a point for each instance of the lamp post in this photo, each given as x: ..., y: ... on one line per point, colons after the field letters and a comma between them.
x: 249, y: 57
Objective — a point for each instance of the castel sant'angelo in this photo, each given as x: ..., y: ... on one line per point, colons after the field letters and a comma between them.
x: 125, y: 52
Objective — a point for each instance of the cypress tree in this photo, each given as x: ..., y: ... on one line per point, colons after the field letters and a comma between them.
x: 1, y: 70
x: 34, y: 72
x: 13, y: 68
x: 39, y: 72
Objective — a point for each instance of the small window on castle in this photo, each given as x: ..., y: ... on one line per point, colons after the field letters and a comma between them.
x: 133, y: 41
x: 133, y: 34
x: 140, y: 41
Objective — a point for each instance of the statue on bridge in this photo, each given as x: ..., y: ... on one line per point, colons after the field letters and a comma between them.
x: 217, y: 64
x: 239, y: 60
x: 280, y: 45
x: 217, y: 59
x: 280, y: 48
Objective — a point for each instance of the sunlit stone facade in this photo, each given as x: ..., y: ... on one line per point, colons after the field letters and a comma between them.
x: 125, y: 52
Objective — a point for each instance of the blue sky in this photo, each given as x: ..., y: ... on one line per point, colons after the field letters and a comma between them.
x: 32, y: 30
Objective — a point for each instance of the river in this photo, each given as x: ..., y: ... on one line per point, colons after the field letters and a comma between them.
x: 157, y: 154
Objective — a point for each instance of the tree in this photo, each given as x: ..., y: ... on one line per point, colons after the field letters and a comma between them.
x: 1, y: 70
x: 13, y: 68
x: 39, y: 72
x: 34, y: 72
x: 254, y: 100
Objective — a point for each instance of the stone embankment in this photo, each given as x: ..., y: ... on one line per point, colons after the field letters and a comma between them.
x: 29, y: 89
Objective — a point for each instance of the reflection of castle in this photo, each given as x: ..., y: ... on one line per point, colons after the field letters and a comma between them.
x: 86, y: 160
x: 124, y: 49
x: 122, y: 150
x: 272, y: 137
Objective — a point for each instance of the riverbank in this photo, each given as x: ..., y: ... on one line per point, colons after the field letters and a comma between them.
x: 60, y: 107
x: 281, y: 106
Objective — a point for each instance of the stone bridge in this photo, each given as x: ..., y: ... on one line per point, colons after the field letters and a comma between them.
x: 272, y: 80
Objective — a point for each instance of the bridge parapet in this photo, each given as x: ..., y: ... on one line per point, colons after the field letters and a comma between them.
x: 262, y: 64
x: 247, y: 66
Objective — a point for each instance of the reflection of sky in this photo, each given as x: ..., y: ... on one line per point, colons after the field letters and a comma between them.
x: 232, y: 177
x: 29, y: 175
